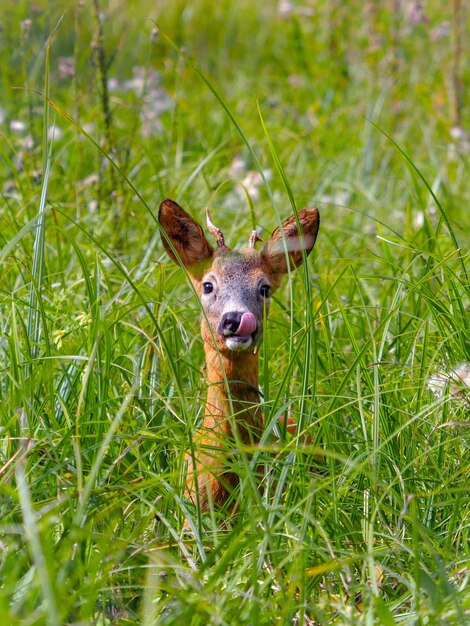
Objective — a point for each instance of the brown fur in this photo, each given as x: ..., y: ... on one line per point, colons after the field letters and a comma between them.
x: 214, y: 482
x: 232, y: 373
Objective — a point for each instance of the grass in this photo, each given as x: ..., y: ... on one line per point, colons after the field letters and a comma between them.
x: 348, y: 107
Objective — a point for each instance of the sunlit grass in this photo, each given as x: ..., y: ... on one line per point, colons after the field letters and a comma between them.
x: 363, y: 514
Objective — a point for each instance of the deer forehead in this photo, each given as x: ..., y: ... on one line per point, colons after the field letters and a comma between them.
x: 244, y: 267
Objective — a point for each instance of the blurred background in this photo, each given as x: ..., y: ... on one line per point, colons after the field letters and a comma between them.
x: 322, y: 74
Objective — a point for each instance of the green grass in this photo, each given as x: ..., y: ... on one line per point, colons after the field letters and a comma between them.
x: 340, y: 105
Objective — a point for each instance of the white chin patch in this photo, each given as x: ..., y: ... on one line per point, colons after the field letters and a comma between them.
x: 238, y: 343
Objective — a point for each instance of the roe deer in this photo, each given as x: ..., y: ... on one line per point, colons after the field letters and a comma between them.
x: 234, y: 288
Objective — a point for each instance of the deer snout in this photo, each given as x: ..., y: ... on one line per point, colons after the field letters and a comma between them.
x: 236, y: 323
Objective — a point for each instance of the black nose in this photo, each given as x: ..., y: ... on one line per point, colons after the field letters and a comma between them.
x: 229, y: 323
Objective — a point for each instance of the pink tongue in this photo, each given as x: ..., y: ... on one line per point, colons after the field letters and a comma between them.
x: 247, y: 325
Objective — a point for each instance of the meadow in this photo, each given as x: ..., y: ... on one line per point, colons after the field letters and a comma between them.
x: 254, y: 109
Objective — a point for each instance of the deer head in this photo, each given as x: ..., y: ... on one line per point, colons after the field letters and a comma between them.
x: 235, y: 286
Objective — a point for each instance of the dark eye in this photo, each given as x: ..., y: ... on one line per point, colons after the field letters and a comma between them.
x: 264, y: 290
x: 207, y: 287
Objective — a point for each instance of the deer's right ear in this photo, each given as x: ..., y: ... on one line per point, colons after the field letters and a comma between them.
x: 288, y: 239
x: 185, y: 234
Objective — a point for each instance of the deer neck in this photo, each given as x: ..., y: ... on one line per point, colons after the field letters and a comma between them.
x: 233, y: 379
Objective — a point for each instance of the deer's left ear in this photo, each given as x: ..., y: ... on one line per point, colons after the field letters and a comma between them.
x: 274, y: 251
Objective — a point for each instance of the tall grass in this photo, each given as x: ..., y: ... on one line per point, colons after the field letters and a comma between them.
x: 255, y: 109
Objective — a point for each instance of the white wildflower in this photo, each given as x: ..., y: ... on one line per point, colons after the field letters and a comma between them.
x: 237, y: 167
x: 26, y: 26
x: 154, y: 103
x: 284, y: 9
x: 17, y: 126
x: 90, y: 180
x: 142, y: 80
x: 457, y: 132
x: 27, y: 143
x: 113, y: 84
x: 339, y: 197
x: 416, y: 14
x: 252, y: 182
x: 66, y: 67
x: 458, y: 381
x: 88, y: 128
x: 418, y: 220
x: 296, y: 80
x: 440, y: 31
x: 54, y: 133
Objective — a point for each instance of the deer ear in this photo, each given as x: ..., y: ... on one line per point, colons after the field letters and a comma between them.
x: 185, y: 234
x: 274, y: 251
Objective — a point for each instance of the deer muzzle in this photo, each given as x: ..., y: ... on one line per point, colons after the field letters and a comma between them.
x: 238, y: 329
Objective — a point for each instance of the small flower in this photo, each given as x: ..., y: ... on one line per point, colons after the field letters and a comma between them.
x: 252, y: 182
x: 284, y: 9
x: 457, y: 132
x: 90, y: 180
x: 339, y: 197
x: 237, y: 167
x: 296, y: 80
x: 58, y: 336
x: 66, y: 67
x: 141, y: 79
x: 154, y: 34
x: 88, y: 128
x: 17, y: 126
x: 9, y: 186
x: 461, y: 138
x: 458, y: 381
x: 418, y: 220
x: 83, y: 319
x: 54, y: 133
x: 440, y: 31
x: 416, y: 13
x: 113, y: 84
x: 26, y: 26
x: 26, y: 142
